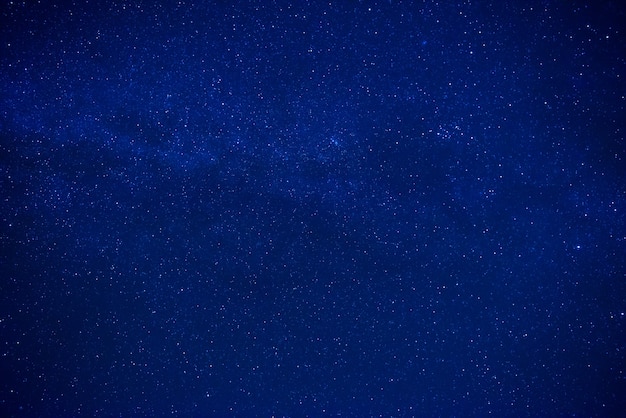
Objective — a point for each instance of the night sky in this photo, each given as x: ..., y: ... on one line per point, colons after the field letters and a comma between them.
x: 311, y: 208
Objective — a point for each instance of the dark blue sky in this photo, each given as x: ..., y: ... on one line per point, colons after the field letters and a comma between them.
x: 309, y: 208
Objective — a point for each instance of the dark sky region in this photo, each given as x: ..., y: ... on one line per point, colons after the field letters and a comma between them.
x: 256, y: 208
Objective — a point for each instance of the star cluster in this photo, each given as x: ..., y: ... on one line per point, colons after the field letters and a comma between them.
x: 303, y: 208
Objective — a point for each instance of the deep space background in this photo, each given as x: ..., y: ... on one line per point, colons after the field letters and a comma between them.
x: 312, y: 208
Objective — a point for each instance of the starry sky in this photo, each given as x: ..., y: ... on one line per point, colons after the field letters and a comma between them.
x: 312, y: 208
